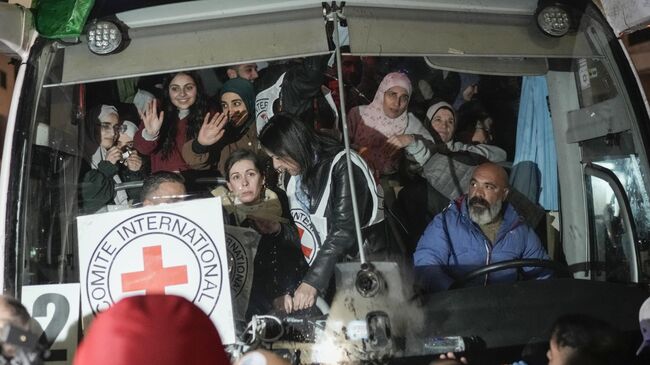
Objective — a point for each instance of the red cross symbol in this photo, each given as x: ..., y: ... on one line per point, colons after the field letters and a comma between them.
x: 154, y: 278
x: 306, y: 251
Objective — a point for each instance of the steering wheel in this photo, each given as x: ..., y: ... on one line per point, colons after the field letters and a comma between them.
x: 558, y: 269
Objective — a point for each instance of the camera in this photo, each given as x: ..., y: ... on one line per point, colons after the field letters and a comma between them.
x: 126, y: 152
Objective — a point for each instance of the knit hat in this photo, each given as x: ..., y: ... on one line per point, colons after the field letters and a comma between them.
x: 244, y: 89
x: 152, y: 330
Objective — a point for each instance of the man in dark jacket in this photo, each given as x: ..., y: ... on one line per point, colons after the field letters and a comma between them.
x: 476, y: 230
x: 290, y: 88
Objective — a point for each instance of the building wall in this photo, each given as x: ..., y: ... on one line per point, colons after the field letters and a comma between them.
x: 638, y: 45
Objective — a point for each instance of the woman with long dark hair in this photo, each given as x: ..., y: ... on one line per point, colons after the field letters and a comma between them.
x: 184, y: 115
x: 320, y: 198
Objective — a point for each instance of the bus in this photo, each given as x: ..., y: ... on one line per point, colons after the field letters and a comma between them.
x: 589, y: 157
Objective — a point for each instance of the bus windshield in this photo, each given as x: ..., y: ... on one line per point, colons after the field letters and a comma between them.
x: 475, y: 114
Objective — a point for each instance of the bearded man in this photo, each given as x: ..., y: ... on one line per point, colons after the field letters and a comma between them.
x: 476, y: 230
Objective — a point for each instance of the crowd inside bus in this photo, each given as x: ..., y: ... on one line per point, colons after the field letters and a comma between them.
x: 431, y: 160
x: 432, y: 154
x: 410, y: 175
x: 274, y: 135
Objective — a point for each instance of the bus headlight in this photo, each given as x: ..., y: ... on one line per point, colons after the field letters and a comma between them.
x: 105, y: 37
x: 554, y: 20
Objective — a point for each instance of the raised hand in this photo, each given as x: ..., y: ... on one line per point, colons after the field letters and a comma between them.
x: 396, y: 143
x: 212, y: 129
x: 151, y: 118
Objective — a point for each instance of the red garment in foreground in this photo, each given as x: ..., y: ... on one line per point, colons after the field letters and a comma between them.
x: 152, y: 330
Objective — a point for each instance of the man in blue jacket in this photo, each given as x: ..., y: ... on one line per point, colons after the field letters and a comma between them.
x: 476, y: 230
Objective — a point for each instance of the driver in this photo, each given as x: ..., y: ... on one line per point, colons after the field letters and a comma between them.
x: 476, y: 230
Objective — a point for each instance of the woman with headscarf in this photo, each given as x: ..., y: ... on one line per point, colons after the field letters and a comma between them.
x: 106, y: 164
x: 238, y: 104
x: 429, y: 199
x: 441, y: 118
x: 373, y: 127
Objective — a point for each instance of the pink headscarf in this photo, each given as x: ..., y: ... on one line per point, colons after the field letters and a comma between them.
x: 375, y: 127
x: 373, y: 114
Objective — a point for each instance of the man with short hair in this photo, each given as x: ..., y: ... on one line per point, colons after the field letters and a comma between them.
x: 476, y: 230
x: 14, y: 313
x: 577, y: 339
x: 163, y: 187
x: 246, y: 71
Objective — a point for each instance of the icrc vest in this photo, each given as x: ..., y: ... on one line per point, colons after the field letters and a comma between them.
x: 313, y: 227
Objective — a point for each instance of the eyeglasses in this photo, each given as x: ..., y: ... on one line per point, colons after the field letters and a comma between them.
x: 108, y: 127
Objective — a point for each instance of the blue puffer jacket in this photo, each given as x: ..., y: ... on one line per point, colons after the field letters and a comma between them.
x: 453, y: 245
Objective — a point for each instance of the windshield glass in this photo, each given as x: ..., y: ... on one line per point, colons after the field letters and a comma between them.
x: 461, y: 160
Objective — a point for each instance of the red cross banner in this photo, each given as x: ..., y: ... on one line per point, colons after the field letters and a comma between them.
x: 178, y: 249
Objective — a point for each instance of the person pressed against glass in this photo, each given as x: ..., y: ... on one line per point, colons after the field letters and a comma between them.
x: 105, y: 165
x: 320, y: 199
x: 183, y: 116
x: 238, y: 105
x: 279, y: 265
